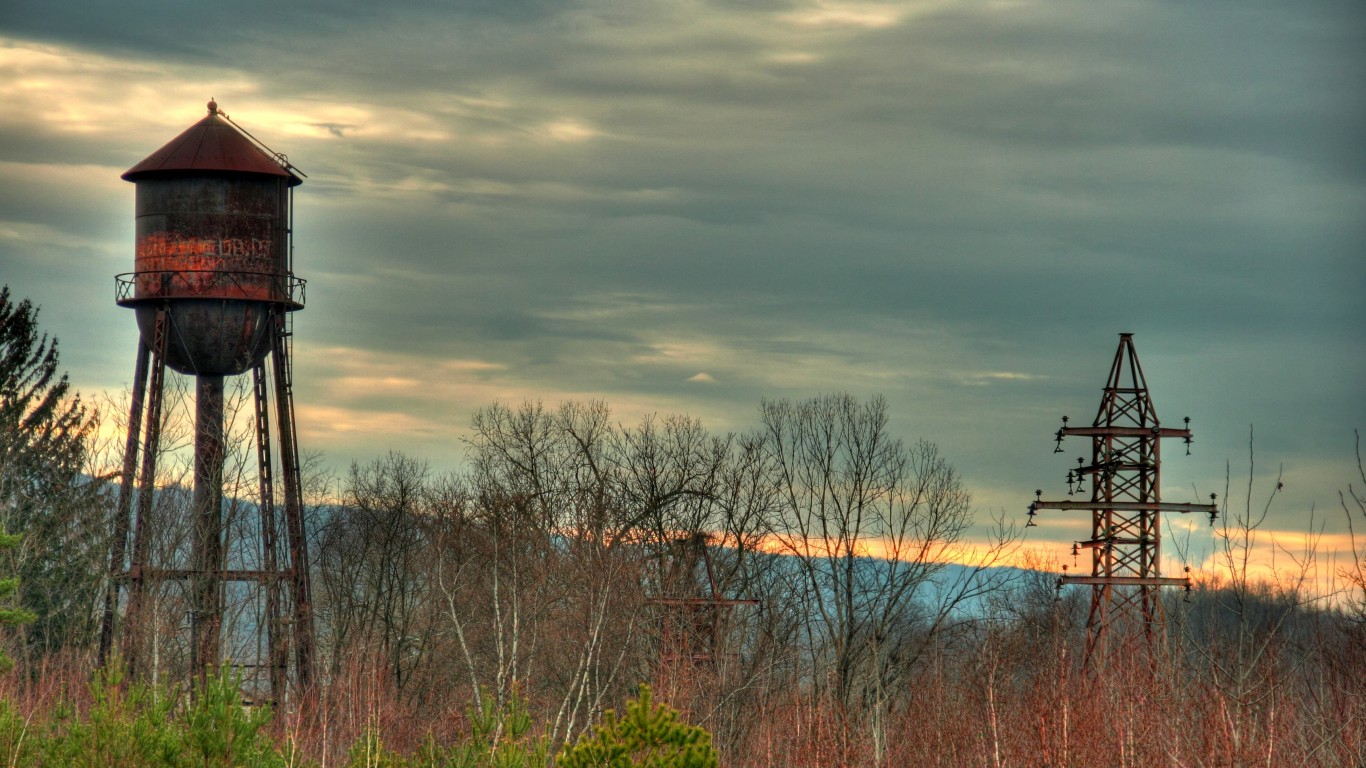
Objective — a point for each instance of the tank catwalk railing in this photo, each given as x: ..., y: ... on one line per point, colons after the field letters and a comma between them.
x: 133, y: 287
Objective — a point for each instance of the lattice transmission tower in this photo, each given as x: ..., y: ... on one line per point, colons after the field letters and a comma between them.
x: 1125, y: 475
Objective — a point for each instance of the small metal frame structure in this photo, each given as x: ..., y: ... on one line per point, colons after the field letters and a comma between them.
x: 1126, y: 507
x: 692, y: 627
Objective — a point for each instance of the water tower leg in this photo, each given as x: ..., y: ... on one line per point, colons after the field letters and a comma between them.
x: 293, y: 497
x: 124, y: 514
x: 207, y: 546
x: 151, y: 446
x: 276, y: 638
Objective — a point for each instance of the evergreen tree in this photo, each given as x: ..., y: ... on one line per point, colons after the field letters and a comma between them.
x: 10, y: 617
x: 647, y: 735
x: 45, y: 497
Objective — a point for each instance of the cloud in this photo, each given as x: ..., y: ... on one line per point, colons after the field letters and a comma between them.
x: 834, y: 15
x: 955, y: 204
x: 981, y: 378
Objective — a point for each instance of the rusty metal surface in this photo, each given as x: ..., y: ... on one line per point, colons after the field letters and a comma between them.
x: 214, y: 247
x: 142, y: 529
x: 212, y: 144
x: 296, y: 539
x: 207, y: 548
x: 123, y: 516
x: 276, y: 639
x: 213, y: 287
x: 1125, y: 505
x: 213, y: 338
x: 218, y: 223
x: 692, y: 627
x: 189, y: 283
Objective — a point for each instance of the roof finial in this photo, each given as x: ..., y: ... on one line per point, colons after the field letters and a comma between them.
x: 213, y: 106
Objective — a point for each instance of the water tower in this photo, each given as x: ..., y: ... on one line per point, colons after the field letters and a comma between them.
x: 213, y: 287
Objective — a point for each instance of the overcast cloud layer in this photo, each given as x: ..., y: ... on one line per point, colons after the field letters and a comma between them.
x: 687, y: 206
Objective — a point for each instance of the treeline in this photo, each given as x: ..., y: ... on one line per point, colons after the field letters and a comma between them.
x: 537, y: 575
x: 787, y: 588
x: 577, y: 557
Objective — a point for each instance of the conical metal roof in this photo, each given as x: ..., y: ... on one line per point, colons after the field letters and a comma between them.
x: 212, y: 144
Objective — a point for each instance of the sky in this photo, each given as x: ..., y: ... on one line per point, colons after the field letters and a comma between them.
x: 685, y: 206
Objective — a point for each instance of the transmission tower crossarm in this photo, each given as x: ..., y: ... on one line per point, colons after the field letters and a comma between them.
x: 1128, y: 506
x: 1103, y: 431
x: 1128, y: 581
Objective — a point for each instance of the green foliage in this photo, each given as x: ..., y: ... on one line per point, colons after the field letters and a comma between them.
x: 10, y: 617
x: 370, y: 752
x: 44, y: 493
x: 128, y: 726
x: 132, y: 725
x: 16, y: 743
x: 500, y: 737
x: 646, y: 736
x: 220, y: 732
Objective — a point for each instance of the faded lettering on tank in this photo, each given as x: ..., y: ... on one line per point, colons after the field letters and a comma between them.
x: 166, y: 250
x: 173, y: 265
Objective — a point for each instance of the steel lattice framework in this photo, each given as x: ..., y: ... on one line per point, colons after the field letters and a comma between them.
x: 282, y: 572
x: 1125, y: 473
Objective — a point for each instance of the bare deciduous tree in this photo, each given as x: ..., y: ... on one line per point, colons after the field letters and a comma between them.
x: 372, y: 555
x: 869, y: 524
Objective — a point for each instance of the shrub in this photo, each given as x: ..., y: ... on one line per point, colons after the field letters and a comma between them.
x: 648, y: 735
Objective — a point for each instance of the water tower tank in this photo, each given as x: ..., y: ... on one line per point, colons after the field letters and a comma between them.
x: 213, y: 246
